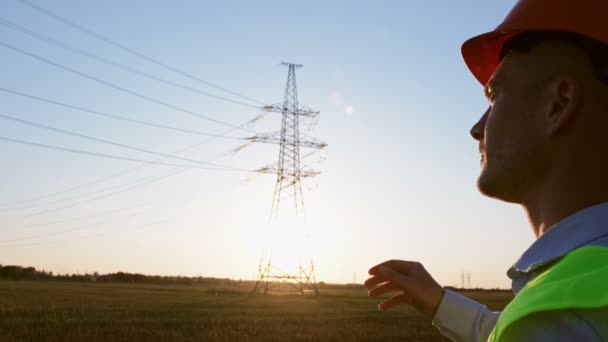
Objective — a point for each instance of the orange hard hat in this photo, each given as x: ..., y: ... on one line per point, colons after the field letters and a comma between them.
x: 584, y: 17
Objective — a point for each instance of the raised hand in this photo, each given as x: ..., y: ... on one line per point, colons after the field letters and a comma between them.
x: 416, y: 286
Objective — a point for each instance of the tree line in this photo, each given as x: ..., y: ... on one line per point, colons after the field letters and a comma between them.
x: 10, y: 272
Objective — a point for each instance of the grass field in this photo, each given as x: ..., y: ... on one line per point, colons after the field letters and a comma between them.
x: 64, y: 311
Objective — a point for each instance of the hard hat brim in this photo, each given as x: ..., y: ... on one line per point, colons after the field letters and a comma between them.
x: 482, y: 53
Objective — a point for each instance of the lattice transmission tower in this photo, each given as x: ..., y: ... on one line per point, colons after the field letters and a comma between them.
x: 289, y: 171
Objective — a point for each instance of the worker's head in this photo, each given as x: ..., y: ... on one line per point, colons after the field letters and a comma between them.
x: 547, y: 98
x: 545, y: 75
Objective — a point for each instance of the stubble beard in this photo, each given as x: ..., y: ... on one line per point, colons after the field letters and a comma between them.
x: 498, y: 183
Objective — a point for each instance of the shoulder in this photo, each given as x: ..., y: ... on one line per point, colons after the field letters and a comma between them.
x: 561, y: 325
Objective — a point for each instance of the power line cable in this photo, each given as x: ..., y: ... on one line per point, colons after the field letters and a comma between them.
x: 76, y: 218
x: 9, y: 242
x: 113, y: 231
x: 111, y: 85
x: 117, y: 117
x: 87, y: 137
x: 131, y: 51
x: 11, y: 206
x: 114, y: 64
x: 103, y: 213
x: 88, y: 226
x: 104, y: 194
x: 18, y: 141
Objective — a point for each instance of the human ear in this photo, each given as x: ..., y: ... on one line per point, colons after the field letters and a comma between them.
x: 564, y: 97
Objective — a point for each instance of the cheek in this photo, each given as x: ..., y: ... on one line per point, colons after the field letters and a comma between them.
x: 500, y: 135
x: 511, y: 134
x: 492, y: 129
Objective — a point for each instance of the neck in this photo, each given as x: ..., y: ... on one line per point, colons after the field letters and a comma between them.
x: 561, y: 196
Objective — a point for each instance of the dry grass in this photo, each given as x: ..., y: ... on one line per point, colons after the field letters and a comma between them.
x: 61, y: 311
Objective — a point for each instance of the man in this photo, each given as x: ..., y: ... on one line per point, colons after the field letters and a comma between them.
x: 544, y: 145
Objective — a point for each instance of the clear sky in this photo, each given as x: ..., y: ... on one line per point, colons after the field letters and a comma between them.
x: 396, y: 101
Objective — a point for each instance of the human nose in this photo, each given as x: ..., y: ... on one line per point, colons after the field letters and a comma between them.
x: 477, y: 131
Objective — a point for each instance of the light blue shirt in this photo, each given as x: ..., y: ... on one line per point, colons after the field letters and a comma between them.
x: 462, y: 319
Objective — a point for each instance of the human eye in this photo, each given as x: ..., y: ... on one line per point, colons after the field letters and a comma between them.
x: 490, y: 93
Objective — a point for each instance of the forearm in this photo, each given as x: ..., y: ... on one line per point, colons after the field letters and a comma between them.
x: 462, y: 319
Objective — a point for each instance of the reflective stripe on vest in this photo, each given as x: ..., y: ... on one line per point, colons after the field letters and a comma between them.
x: 578, y: 280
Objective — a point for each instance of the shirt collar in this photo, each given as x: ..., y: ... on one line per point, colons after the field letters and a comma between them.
x: 576, y: 230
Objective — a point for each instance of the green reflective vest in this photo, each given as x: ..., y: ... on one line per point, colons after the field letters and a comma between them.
x: 578, y: 280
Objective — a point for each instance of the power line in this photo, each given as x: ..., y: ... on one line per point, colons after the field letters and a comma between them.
x: 11, y: 205
x: 71, y: 219
x: 38, y: 236
x: 113, y: 231
x: 104, y: 179
x: 65, y: 231
x: 103, y: 213
x: 131, y: 51
x: 104, y: 194
x: 111, y: 85
x: 6, y: 117
x: 88, y: 226
x: 92, y: 199
x: 113, y: 156
x: 114, y: 116
x: 114, y: 64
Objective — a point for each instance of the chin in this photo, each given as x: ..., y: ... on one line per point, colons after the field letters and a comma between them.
x: 494, y: 188
x: 484, y: 186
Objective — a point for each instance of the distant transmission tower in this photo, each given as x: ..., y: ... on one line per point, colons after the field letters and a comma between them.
x: 289, y: 172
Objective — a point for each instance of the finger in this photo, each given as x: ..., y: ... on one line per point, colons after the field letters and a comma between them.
x: 384, y: 288
x: 392, y: 302
x: 375, y: 280
x: 394, y: 277
x: 397, y: 265
x: 375, y: 270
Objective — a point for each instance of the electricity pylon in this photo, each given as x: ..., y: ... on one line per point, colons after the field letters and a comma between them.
x: 289, y: 172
